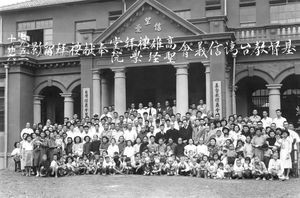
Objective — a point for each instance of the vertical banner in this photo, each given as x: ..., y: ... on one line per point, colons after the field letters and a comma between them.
x: 86, y: 110
x: 217, y: 98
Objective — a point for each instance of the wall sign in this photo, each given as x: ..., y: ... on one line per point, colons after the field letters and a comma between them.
x: 217, y: 97
x: 86, y: 110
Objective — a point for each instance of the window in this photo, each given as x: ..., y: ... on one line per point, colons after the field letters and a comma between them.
x: 185, y: 14
x: 113, y: 16
x: 284, y: 11
x: 213, y: 7
x: 260, y: 100
x: 36, y: 31
x: 81, y: 25
x: 247, y: 13
x: 1, y: 108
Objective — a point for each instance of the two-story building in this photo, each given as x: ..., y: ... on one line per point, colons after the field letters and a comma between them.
x: 41, y: 87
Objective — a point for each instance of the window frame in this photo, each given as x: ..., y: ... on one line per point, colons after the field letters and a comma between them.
x: 82, y: 21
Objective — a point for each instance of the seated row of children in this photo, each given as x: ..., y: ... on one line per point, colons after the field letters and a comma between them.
x: 154, y: 164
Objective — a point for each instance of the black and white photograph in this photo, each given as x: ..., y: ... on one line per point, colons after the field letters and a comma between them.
x: 149, y: 98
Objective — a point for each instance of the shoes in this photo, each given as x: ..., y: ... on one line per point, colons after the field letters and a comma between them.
x: 287, y: 177
x: 264, y: 179
x: 258, y: 178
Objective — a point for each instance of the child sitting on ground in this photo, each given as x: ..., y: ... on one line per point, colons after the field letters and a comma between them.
x: 274, y: 168
x: 259, y: 169
x: 220, y: 171
x: 238, y: 170
x: 54, y: 166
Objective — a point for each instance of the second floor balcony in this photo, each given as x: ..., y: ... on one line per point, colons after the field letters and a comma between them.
x: 267, y: 33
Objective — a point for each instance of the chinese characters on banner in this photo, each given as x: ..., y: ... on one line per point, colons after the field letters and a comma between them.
x: 86, y: 102
x: 145, y: 49
x: 217, y: 97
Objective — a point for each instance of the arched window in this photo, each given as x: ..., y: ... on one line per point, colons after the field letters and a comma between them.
x: 260, y: 100
x: 291, y: 92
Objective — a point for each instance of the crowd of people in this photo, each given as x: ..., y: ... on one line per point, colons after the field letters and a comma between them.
x: 158, y: 141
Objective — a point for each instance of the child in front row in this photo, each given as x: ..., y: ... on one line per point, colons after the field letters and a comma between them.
x: 202, y: 171
x: 274, y: 168
x: 220, y: 171
x: 211, y: 169
x: 16, y: 154
x: 238, y: 170
x: 259, y: 169
x: 247, y: 168
x: 54, y: 166
x: 108, y: 166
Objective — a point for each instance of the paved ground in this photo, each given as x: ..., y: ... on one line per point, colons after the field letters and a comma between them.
x: 15, y: 185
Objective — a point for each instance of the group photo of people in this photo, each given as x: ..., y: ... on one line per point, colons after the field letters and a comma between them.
x: 155, y: 140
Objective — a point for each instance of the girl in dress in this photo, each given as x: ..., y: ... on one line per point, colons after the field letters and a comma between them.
x: 22, y: 153
x: 285, y: 145
x: 28, y: 157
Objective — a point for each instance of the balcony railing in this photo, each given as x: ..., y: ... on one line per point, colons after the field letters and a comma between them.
x: 267, y: 33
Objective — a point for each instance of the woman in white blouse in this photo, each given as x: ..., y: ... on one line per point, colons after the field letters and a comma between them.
x: 112, y: 148
x: 137, y: 145
x: 129, y: 150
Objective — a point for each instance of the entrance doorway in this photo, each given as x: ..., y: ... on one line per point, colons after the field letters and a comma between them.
x: 290, y: 97
x: 155, y: 84
x: 252, y: 94
x: 52, y: 105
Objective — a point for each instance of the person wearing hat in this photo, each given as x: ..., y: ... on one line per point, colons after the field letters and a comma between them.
x: 285, y: 145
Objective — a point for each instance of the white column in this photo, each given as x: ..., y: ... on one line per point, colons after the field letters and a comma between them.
x: 68, y: 104
x: 96, y: 93
x: 182, y: 92
x: 120, y: 90
x: 37, y: 109
x: 207, y: 86
x: 104, y: 93
x: 274, y: 98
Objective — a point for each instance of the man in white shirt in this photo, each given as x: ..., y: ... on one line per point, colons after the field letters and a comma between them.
x: 267, y: 121
x: 254, y: 117
x: 129, y: 133
x: 141, y: 109
x: 151, y: 110
x: 293, y: 135
x: 279, y: 120
x: 106, y: 113
x: 27, y: 130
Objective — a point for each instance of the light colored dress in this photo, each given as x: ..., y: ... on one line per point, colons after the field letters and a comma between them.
x: 28, y: 153
x: 285, y: 152
x: 22, y: 153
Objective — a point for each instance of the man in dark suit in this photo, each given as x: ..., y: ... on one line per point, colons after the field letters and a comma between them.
x: 168, y: 108
x: 185, y: 131
x: 172, y: 133
x: 161, y: 134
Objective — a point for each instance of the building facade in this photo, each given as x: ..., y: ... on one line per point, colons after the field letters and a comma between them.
x: 41, y: 87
